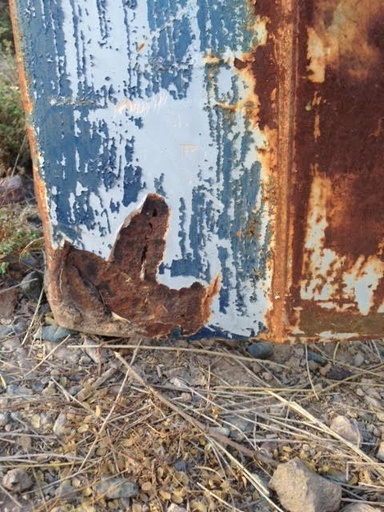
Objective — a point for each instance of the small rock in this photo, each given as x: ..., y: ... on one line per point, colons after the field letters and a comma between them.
x: 260, y: 350
x: 175, y: 508
x: 338, y: 373
x: 373, y: 402
x: 53, y: 333
x: 11, y: 190
x: 18, y: 391
x: 4, y: 418
x: 180, y: 465
x: 380, y: 452
x: 239, y: 427
x: 115, y: 488
x: 347, y: 429
x: 17, y: 480
x: 179, y: 383
x: 97, y: 354
x: 8, y: 302
x: 267, y: 376
x: 312, y: 365
x: 6, y: 330
x: 301, y: 490
x: 31, y: 285
x: 359, y: 359
x: 316, y: 358
x: 65, y: 490
x: 359, y: 507
x: 61, y: 427
x: 221, y: 431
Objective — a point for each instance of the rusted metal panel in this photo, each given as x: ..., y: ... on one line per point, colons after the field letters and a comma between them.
x: 338, y: 174
x: 209, y: 167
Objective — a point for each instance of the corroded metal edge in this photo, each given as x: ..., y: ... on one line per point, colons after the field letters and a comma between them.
x: 275, y: 65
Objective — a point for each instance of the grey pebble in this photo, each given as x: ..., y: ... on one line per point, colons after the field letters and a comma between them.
x: 180, y: 465
x: 31, y: 285
x: 4, y: 418
x: 239, y: 427
x: 17, y: 480
x: 359, y: 507
x: 175, y: 508
x: 115, y: 488
x: 65, y: 490
x: 359, y: 359
x: 6, y: 330
x: 73, y: 390
x: 53, y: 333
x: 348, y: 429
x: 338, y: 373
x: 61, y: 425
x: 15, y: 390
x: 316, y: 358
x: 301, y: 490
x: 380, y: 452
x: 261, y: 350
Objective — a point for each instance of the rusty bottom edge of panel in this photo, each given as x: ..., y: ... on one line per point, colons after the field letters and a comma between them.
x: 121, y: 296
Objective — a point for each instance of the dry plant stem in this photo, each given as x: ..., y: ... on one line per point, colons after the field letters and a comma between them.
x: 19, y: 155
x: 4, y: 490
x: 318, y: 423
x: 254, y: 479
x: 220, y: 500
x: 105, y: 422
x: 224, y: 440
x: 190, y: 350
x: 47, y: 356
x: 334, y: 385
x: 309, y: 373
x: 30, y: 327
x: 12, y: 287
x: 85, y: 393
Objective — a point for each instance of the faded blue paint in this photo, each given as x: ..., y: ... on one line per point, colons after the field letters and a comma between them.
x: 87, y: 158
x: 225, y: 24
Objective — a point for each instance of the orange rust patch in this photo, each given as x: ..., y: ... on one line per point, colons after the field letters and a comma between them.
x: 122, y: 295
x: 339, y: 142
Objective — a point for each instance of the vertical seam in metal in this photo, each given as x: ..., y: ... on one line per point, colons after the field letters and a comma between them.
x: 287, y: 65
x: 291, y: 150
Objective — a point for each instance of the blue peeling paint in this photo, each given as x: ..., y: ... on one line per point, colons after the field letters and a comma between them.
x: 171, y: 60
x: 92, y: 174
x: 225, y: 25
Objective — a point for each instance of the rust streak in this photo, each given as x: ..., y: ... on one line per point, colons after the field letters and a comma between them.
x: 275, y: 71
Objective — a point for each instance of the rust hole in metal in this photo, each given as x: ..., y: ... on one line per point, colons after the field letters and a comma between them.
x: 126, y: 285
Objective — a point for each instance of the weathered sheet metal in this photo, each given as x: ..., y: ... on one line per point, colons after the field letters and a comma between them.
x: 210, y: 167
